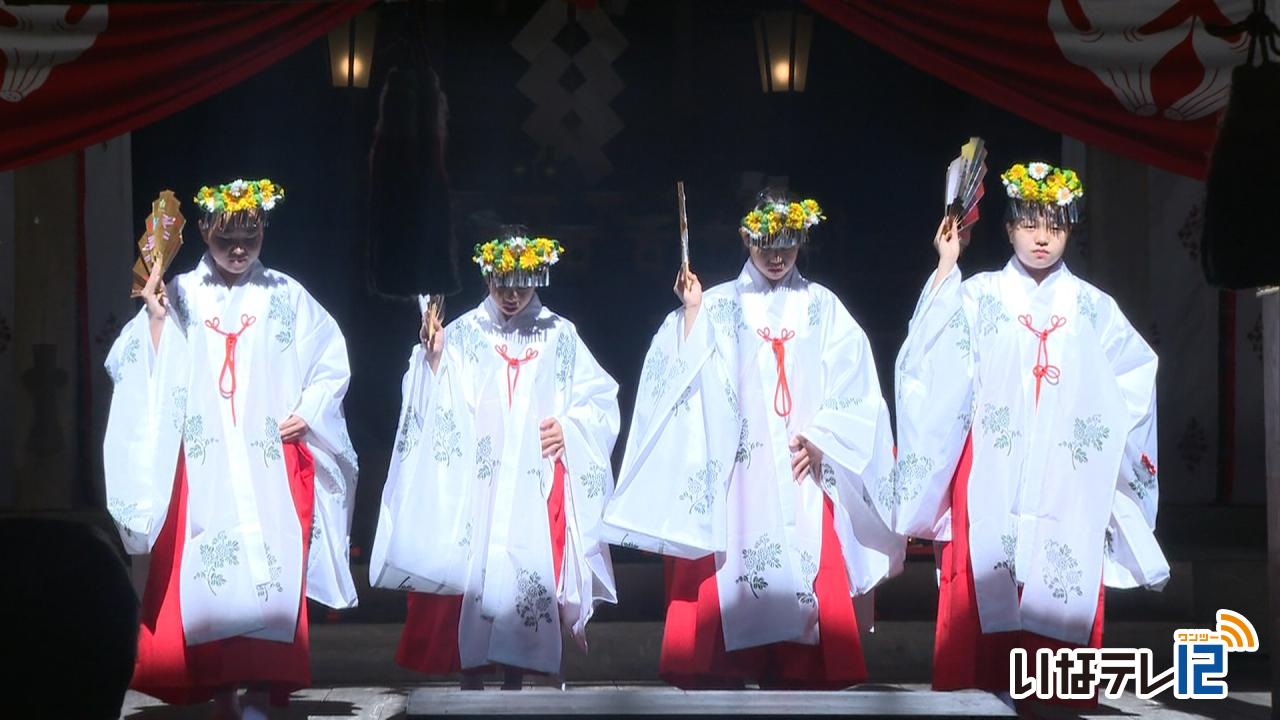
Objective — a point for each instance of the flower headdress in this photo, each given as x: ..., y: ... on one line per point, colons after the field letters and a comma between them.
x: 1037, y: 189
x: 240, y: 196
x: 513, y: 259
x: 775, y: 223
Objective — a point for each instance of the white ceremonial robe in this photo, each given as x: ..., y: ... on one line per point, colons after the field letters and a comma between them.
x: 242, y: 566
x: 464, y: 510
x: 707, y: 468
x: 1062, y: 492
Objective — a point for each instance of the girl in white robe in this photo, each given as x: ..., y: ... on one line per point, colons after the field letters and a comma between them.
x: 1026, y: 443
x: 490, y: 515
x: 759, y: 440
x: 227, y: 458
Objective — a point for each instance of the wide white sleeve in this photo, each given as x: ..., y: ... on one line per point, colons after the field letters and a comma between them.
x: 425, y: 501
x: 1133, y: 558
x: 933, y: 380
x: 854, y: 433
x: 144, y: 427
x: 326, y: 374
x: 590, y: 425
x: 680, y: 449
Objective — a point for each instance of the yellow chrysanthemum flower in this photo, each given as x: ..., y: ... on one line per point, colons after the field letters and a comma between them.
x: 207, y: 198
x: 795, y: 216
x: 1017, y: 172
x: 1030, y: 189
x: 529, y: 259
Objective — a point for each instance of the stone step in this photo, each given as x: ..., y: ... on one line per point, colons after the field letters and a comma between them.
x: 661, y: 702
x: 896, y: 652
x: 384, y: 702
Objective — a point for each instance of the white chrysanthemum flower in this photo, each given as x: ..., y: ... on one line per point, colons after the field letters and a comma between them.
x: 1013, y: 190
x: 238, y: 187
x: 268, y: 202
x: 1038, y: 170
x: 1065, y: 196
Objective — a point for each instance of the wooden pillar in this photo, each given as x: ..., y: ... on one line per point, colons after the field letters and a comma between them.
x: 8, y: 352
x: 1271, y: 399
x: 45, y: 346
x: 1117, y: 231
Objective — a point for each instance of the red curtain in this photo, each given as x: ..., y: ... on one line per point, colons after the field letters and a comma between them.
x: 1140, y: 79
x: 76, y: 75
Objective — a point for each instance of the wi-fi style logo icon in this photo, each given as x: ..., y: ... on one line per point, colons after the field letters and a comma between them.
x: 1236, y: 632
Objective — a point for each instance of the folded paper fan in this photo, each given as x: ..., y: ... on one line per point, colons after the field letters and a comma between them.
x: 432, y: 307
x: 964, y: 185
x: 160, y: 241
x: 684, y: 227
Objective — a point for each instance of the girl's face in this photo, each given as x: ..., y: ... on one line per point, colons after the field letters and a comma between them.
x: 774, y: 263
x: 510, y: 300
x: 233, y: 245
x: 1037, y: 243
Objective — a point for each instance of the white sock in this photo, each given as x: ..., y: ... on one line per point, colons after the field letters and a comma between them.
x: 226, y: 704
x: 256, y: 706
